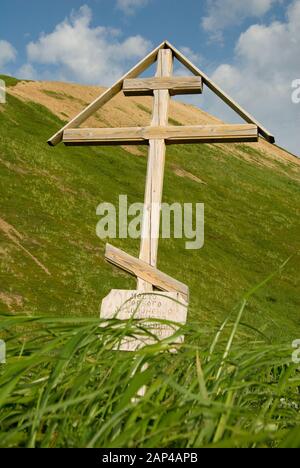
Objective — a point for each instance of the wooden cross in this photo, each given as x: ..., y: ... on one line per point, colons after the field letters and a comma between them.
x: 172, y: 303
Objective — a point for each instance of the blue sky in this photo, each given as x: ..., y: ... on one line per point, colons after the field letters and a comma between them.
x: 252, y: 49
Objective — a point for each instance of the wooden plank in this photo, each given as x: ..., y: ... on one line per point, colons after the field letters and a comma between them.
x: 171, y: 134
x: 222, y: 95
x: 155, y: 170
x: 146, y: 272
x: 107, y: 95
x: 175, y: 85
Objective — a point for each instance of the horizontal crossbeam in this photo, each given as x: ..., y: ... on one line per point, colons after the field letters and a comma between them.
x: 144, y: 271
x: 175, y: 85
x: 171, y: 134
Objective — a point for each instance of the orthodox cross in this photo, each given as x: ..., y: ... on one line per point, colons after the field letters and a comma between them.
x: 145, y: 302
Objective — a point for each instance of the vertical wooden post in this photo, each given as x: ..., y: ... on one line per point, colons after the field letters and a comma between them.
x: 155, y: 170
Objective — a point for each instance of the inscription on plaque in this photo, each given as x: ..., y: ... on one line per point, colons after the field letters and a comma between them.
x: 126, y: 305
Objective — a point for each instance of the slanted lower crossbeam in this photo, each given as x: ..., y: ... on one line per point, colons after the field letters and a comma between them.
x: 145, y: 272
x: 171, y: 134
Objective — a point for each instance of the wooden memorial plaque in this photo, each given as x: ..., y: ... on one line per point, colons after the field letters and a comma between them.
x: 164, y: 306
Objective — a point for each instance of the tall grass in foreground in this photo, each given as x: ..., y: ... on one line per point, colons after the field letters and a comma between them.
x: 65, y: 386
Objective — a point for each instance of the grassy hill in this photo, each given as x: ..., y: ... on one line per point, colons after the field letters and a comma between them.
x: 63, y: 385
x: 48, y: 207
x: 49, y: 196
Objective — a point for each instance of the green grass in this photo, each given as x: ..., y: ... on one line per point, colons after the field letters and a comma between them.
x: 174, y: 122
x: 144, y: 109
x: 63, y: 385
x: 10, y: 81
x: 54, y: 94
x: 63, y: 96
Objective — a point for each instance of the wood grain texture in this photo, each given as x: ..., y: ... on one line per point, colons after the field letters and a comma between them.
x: 221, y: 94
x: 155, y: 169
x: 107, y: 95
x: 136, y: 71
x: 144, y: 271
x: 175, y: 85
x: 154, y: 134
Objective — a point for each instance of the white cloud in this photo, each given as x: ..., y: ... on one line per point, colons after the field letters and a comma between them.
x: 27, y: 72
x: 79, y: 52
x: 130, y: 6
x: 267, y: 61
x: 191, y: 55
x: 225, y: 13
x: 180, y: 70
x: 7, y: 53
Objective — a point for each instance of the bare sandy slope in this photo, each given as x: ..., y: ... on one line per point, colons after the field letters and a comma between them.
x: 66, y: 100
